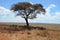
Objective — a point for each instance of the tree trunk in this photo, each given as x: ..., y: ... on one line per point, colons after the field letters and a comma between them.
x: 26, y: 19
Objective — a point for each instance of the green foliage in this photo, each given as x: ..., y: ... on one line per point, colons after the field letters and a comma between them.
x: 28, y: 10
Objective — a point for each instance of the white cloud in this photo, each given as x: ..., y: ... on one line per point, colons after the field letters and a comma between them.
x: 9, y: 16
x: 4, y: 10
x: 48, y: 18
x: 48, y: 9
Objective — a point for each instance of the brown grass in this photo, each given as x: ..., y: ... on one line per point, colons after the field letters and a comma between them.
x: 8, y: 32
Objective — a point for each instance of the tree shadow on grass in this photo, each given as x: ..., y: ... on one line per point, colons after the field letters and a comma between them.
x: 14, y: 28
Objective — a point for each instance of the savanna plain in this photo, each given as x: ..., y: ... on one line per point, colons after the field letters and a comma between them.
x: 11, y: 31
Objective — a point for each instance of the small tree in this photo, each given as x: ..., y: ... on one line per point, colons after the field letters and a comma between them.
x: 27, y: 10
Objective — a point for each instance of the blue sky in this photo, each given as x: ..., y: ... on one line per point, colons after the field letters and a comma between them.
x: 52, y: 15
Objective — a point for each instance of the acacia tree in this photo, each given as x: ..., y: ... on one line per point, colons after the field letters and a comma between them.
x: 27, y: 10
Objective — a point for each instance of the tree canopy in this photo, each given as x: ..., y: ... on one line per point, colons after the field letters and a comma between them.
x: 28, y: 10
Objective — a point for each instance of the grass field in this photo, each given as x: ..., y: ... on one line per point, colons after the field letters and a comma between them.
x: 19, y: 32
x: 47, y: 26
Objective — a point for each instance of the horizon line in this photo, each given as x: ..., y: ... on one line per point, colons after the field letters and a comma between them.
x: 29, y: 23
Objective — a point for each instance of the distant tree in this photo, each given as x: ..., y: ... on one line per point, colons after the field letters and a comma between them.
x: 27, y: 10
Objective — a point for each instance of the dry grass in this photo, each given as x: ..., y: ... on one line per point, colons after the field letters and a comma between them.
x: 21, y: 33
x: 31, y: 35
